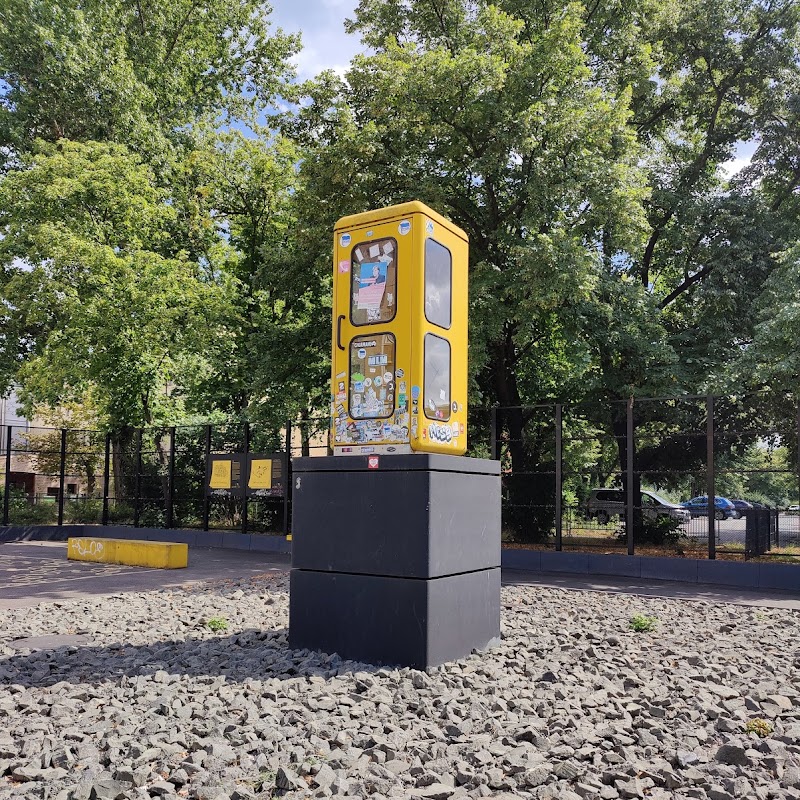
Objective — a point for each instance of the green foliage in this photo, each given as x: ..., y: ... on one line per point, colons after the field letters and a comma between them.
x: 139, y: 73
x: 760, y: 727
x: 217, y: 624
x: 161, y: 262
x: 642, y: 623
x: 659, y: 530
x: 120, y: 513
x: 117, y: 311
x: 83, y: 511
x: 22, y: 511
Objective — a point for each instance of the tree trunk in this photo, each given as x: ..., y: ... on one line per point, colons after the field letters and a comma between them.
x: 530, y: 494
x: 123, y: 460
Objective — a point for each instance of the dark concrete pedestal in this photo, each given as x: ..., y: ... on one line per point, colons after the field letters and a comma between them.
x: 398, y: 564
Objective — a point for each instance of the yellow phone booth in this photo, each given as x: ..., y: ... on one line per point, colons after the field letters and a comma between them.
x: 396, y: 536
x: 399, y: 366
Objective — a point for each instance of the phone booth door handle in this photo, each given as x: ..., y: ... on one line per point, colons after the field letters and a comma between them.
x: 339, y: 332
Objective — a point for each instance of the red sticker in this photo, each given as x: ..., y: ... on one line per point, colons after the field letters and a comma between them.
x: 372, y: 462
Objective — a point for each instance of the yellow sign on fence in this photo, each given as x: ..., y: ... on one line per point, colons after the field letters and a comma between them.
x: 260, y: 474
x: 220, y: 474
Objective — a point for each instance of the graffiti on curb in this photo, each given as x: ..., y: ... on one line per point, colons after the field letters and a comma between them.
x: 87, y: 547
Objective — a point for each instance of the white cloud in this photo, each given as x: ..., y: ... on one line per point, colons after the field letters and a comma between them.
x: 734, y: 166
x: 321, y: 23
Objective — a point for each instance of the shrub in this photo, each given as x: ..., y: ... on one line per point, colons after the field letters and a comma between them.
x: 83, y: 511
x: 21, y: 511
x: 643, y: 624
x: 760, y: 727
x: 217, y: 624
x: 660, y: 530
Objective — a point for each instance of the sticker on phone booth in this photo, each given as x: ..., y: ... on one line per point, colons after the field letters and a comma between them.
x: 344, y: 266
x: 344, y: 240
x: 372, y: 462
x: 404, y: 227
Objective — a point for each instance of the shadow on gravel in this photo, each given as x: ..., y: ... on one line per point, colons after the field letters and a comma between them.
x: 251, y: 654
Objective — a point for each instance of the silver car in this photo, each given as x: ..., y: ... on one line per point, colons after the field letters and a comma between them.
x: 606, y: 503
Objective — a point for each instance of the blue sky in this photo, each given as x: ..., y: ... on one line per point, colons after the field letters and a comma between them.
x: 321, y: 23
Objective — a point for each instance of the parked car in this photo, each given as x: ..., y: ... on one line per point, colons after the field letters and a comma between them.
x: 743, y: 507
x: 606, y: 503
x: 723, y: 508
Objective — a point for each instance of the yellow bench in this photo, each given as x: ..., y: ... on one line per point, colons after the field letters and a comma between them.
x: 133, y: 552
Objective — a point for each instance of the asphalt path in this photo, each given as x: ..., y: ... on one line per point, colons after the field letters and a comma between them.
x: 732, y: 531
x: 36, y: 572
x: 39, y: 572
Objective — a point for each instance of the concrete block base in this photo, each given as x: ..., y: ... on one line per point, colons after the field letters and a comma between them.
x: 395, y: 621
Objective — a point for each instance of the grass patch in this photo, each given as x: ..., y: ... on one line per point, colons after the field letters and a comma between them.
x: 760, y: 727
x: 642, y: 623
x: 217, y: 624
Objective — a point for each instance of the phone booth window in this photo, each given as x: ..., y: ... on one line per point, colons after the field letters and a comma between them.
x: 372, y: 376
x: 438, y: 281
x: 373, y: 281
x: 436, y: 391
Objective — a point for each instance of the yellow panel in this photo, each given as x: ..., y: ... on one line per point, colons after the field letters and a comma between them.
x: 379, y: 269
x: 220, y: 474
x: 133, y: 552
x: 260, y: 474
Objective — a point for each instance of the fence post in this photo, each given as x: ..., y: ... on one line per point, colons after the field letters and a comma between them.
x: 206, y: 496
x: 62, y: 468
x: 495, y: 432
x: 7, y: 486
x: 629, y: 448
x: 711, y: 492
x: 171, y: 477
x: 106, y: 478
x: 138, y: 482
x: 287, y: 481
x: 798, y: 453
x: 245, y: 476
x: 559, y: 479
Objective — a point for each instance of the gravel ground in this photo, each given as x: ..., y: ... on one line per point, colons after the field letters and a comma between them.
x: 574, y: 703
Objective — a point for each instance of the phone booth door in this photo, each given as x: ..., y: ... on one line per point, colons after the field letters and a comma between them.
x: 372, y: 342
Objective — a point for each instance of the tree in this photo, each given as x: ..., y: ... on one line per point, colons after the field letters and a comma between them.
x: 84, y: 443
x: 137, y: 72
x: 271, y: 364
x: 111, y: 307
x: 579, y: 147
x: 494, y: 120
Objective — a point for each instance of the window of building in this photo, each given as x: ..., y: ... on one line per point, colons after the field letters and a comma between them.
x: 372, y: 365
x: 438, y: 283
x: 373, y: 281
x: 436, y: 391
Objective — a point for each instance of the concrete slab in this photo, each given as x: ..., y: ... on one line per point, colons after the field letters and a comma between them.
x: 614, y: 564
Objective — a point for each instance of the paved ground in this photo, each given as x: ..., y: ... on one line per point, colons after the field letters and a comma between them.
x: 36, y: 572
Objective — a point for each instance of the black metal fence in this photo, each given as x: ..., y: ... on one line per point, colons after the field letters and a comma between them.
x: 640, y: 476
x: 615, y: 476
x: 154, y: 477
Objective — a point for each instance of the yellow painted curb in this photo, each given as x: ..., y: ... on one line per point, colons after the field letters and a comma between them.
x: 133, y: 552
